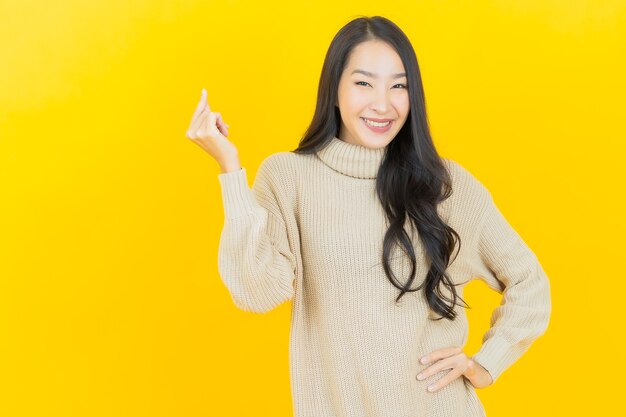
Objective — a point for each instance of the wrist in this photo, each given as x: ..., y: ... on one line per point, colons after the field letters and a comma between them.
x: 230, y: 166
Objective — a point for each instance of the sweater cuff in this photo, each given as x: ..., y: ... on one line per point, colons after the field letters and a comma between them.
x: 495, y: 355
x: 237, y: 197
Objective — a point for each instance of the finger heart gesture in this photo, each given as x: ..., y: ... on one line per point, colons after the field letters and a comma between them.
x: 460, y: 365
x: 210, y: 132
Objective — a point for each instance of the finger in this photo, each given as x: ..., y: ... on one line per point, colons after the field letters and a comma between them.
x: 444, y: 380
x: 441, y: 353
x: 199, y: 126
x: 223, y: 127
x: 201, y: 104
x: 196, y: 117
x: 211, y: 121
x: 443, y: 364
x: 220, y: 120
x: 223, y: 130
x: 206, y: 101
x: 204, y: 123
x: 197, y: 122
x: 216, y: 122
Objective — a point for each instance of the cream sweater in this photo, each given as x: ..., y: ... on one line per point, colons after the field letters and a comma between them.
x: 310, y: 230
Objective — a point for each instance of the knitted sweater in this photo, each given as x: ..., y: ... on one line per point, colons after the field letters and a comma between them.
x: 311, y: 230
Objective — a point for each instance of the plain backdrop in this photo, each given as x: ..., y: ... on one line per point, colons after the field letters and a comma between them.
x: 110, y: 218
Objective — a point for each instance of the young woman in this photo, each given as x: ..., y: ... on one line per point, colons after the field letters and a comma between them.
x: 373, y: 236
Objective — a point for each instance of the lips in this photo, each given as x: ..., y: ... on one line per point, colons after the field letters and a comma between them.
x: 378, y: 129
x: 377, y: 120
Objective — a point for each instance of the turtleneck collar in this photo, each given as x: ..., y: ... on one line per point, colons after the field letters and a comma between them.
x: 350, y: 159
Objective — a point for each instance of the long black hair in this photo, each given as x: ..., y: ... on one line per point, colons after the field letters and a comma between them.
x: 412, y: 179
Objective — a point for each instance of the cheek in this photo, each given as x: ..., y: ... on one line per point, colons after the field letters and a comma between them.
x: 401, y: 105
x: 352, y: 100
x: 355, y: 101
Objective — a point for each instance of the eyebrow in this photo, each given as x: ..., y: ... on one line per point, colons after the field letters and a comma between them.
x: 372, y: 75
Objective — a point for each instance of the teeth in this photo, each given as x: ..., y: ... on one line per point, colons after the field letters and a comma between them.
x: 371, y: 123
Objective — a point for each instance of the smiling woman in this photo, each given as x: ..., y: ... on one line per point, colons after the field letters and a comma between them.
x: 373, y: 107
x: 374, y: 332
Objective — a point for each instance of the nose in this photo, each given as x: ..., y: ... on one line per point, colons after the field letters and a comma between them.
x: 380, y: 102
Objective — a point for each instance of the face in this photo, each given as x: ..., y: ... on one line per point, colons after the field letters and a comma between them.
x: 372, y: 88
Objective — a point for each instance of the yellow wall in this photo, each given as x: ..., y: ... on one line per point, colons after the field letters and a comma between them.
x: 110, y: 301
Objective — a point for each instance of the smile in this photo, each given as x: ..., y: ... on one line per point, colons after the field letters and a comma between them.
x: 377, y: 126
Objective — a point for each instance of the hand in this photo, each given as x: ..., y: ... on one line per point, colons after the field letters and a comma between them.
x: 456, y: 360
x: 209, y: 131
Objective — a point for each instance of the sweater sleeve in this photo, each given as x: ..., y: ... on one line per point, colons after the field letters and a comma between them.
x: 256, y: 261
x: 507, y: 265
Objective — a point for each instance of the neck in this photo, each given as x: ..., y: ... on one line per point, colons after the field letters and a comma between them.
x: 351, y: 159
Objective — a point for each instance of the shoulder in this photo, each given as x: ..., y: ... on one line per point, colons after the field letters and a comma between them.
x: 469, y: 194
x: 280, y: 164
x: 279, y: 170
x: 463, y: 180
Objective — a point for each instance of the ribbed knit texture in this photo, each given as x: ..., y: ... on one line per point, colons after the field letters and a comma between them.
x: 311, y: 229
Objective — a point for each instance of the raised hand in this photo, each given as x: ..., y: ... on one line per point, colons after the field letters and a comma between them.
x: 209, y: 131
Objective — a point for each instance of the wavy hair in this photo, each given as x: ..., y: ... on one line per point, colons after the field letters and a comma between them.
x: 412, y: 179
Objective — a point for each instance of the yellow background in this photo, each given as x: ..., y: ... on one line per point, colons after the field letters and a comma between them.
x: 110, y: 300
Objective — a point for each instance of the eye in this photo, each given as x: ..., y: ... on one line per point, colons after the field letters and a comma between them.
x: 366, y: 83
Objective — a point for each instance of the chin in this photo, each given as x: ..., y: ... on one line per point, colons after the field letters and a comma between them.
x: 378, y: 141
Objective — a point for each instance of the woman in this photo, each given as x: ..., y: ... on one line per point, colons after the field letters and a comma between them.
x: 373, y: 236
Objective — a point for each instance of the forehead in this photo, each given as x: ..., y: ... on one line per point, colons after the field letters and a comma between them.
x: 375, y: 56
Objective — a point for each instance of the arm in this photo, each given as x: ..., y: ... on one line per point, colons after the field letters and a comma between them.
x: 255, y: 259
x: 507, y: 265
